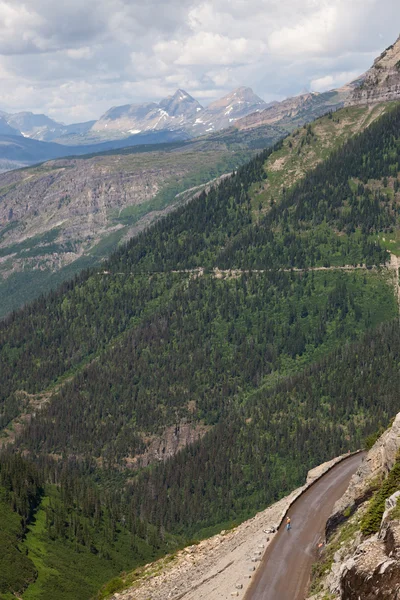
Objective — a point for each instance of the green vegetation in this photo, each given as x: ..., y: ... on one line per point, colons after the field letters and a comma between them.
x: 77, y: 537
x: 278, y: 365
x: 213, y: 343
x: 371, y: 521
x: 307, y: 146
x: 19, y: 496
x: 320, y: 569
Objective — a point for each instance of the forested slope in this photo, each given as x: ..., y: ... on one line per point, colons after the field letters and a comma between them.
x: 271, y: 360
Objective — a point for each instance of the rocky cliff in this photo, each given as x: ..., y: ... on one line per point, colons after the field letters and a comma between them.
x: 67, y: 214
x: 382, y: 81
x: 358, y: 563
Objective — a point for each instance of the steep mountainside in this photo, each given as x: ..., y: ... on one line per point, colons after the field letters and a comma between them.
x: 67, y: 214
x: 6, y: 129
x: 382, y: 82
x: 195, y: 377
x: 64, y: 215
x: 227, y: 110
x: 171, y: 113
x: 361, y: 558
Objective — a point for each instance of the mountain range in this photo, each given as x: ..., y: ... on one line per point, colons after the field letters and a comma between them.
x: 27, y: 138
x: 180, y: 113
x: 78, y: 210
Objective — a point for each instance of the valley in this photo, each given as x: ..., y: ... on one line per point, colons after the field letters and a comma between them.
x: 236, y: 324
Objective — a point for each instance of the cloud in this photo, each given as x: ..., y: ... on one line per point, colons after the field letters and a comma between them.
x: 76, y: 59
x: 205, y: 48
x: 336, y: 80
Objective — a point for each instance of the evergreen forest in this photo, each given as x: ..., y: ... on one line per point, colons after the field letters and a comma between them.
x: 269, y: 338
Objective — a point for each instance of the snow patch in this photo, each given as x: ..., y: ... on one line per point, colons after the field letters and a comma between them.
x: 134, y: 131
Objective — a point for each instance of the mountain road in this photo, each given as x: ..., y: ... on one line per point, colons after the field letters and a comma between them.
x: 286, y: 566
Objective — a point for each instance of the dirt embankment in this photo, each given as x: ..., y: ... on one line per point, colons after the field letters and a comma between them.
x: 221, y: 567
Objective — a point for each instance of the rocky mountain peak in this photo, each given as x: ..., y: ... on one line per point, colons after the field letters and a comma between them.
x: 240, y: 96
x: 180, y: 104
x: 382, y: 81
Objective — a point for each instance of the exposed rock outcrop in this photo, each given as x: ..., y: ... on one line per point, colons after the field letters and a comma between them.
x: 382, y: 80
x: 180, y: 111
x: 359, y: 567
x: 374, y: 571
x: 378, y: 462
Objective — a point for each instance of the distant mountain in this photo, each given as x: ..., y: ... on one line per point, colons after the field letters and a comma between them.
x: 40, y: 127
x: 381, y: 83
x: 181, y: 104
x: 292, y: 112
x: 227, y: 110
x: 171, y: 113
x: 5, y: 128
x: 18, y: 151
x: 179, y: 111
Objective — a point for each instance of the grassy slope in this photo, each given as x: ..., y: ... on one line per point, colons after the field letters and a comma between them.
x: 66, y: 571
x: 16, y: 568
x: 308, y: 146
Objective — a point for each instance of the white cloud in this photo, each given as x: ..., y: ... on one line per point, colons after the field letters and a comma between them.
x: 336, y: 80
x: 79, y: 58
x: 308, y: 36
x: 206, y: 48
x: 83, y: 53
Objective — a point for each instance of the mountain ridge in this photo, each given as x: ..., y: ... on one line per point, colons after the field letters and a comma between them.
x: 180, y: 111
x: 381, y: 83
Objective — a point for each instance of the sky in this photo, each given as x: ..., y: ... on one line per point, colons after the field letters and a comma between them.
x: 73, y: 60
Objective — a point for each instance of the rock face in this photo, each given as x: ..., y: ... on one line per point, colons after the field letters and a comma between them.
x: 378, y: 462
x: 365, y: 568
x: 382, y: 80
x: 374, y: 571
x: 57, y: 215
x: 227, y: 110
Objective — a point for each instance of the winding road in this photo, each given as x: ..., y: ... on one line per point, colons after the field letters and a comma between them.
x: 285, y: 569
